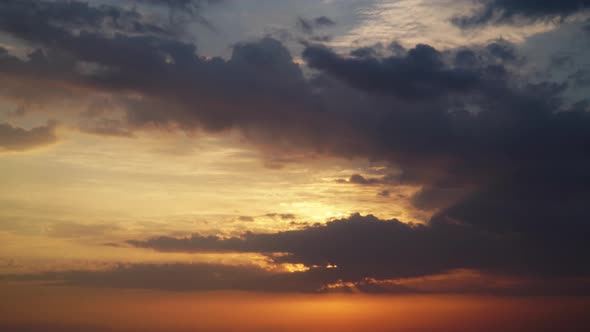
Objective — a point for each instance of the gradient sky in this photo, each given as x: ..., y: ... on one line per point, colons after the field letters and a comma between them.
x: 310, y: 165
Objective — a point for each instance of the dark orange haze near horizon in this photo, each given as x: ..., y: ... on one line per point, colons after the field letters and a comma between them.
x: 74, y: 309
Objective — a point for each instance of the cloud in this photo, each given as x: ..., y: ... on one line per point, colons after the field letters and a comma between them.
x: 186, y: 277
x: 581, y: 78
x: 361, y: 180
x: 384, y: 193
x: 547, y: 207
x: 323, y: 21
x: 419, y: 74
x: 465, y: 120
x: 366, y: 247
x: 508, y: 11
x: 360, y: 253
x: 283, y: 216
x: 261, y: 80
x: 19, y: 139
x: 438, y: 197
x: 48, y: 17
x: 310, y: 26
x: 305, y: 26
x: 202, y: 277
x: 498, y: 130
x: 502, y: 50
x: 414, y: 109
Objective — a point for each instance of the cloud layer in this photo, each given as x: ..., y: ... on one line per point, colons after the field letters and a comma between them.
x: 360, y: 254
x: 364, y: 247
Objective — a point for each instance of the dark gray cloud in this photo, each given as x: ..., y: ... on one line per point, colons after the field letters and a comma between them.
x: 305, y: 26
x: 433, y: 198
x: 421, y: 73
x: 417, y: 113
x: 501, y: 131
x: 502, y: 50
x: 366, y: 247
x: 18, y: 15
x: 580, y: 78
x: 414, y: 109
x: 166, y: 69
x: 19, y: 139
x: 323, y: 21
x: 260, y: 79
x: 507, y: 11
x: 309, y: 26
x: 548, y: 207
x: 364, y: 52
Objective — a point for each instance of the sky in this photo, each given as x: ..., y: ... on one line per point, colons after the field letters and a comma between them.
x: 350, y: 165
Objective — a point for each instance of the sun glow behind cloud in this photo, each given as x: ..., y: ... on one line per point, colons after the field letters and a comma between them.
x: 87, y: 192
